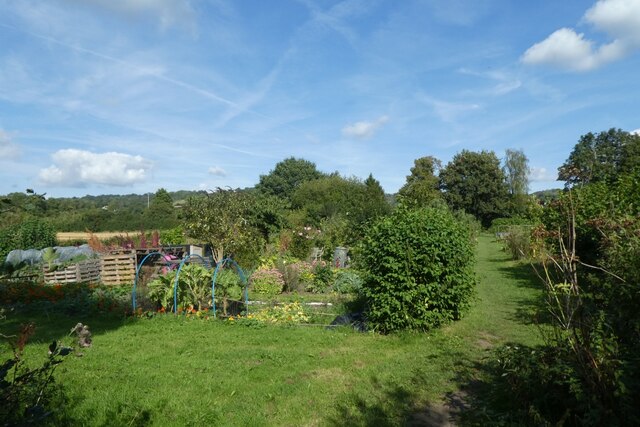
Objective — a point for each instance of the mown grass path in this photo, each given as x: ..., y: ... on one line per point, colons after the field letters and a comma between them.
x: 175, y: 371
x: 508, y: 296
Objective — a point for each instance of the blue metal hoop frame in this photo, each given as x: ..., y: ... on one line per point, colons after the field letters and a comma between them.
x: 222, y: 264
x: 135, y: 282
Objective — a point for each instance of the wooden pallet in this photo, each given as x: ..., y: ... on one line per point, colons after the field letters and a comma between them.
x: 83, y: 271
x: 118, y: 268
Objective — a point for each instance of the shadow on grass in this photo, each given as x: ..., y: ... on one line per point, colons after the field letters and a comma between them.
x: 485, y: 399
x: 54, y: 325
x: 398, y: 403
x: 531, y: 309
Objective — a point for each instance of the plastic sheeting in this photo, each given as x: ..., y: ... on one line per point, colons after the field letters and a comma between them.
x: 34, y: 256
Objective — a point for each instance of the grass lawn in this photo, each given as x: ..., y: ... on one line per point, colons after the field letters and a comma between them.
x: 176, y: 371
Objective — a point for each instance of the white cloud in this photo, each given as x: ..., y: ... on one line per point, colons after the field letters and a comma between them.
x: 637, y: 132
x: 567, y: 49
x: 77, y: 168
x: 363, y: 130
x: 217, y: 171
x: 8, y: 149
x: 541, y: 175
x: 620, y: 18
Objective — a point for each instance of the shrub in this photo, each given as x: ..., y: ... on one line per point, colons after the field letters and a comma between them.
x: 323, y: 276
x: 347, y: 282
x: 471, y: 222
x: 418, y: 268
x: 31, y: 396
x: 517, y: 241
x: 267, y: 282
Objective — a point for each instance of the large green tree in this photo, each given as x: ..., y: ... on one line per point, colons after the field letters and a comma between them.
x: 475, y: 183
x: 349, y: 199
x: 161, y: 214
x: 601, y: 157
x: 375, y: 199
x: 223, y: 219
x: 288, y: 175
x: 422, y: 186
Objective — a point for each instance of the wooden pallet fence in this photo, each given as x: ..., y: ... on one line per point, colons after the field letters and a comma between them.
x: 83, y: 271
x: 118, y: 268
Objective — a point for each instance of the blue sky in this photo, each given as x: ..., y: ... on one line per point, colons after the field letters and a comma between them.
x: 104, y: 96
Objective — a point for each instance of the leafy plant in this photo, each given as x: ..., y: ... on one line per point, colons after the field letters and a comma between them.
x: 418, y: 267
x: 323, y: 276
x: 30, y: 396
x: 287, y: 313
x: 173, y: 236
x: 517, y: 241
x: 194, y: 289
x: 267, y: 282
x: 298, y: 276
x: 347, y: 282
x: 228, y: 287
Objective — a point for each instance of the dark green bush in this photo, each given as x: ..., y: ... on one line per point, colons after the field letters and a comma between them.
x: 418, y: 267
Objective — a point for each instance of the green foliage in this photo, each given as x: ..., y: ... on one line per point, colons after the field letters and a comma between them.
x: 347, y: 282
x: 351, y: 200
x: 375, y: 198
x: 291, y: 313
x: 267, y: 282
x: 601, y: 157
x: 287, y: 176
x: 223, y: 219
x: 32, y: 233
x: 161, y: 290
x: 418, y: 267
x: 323, y: 276
x: 422, y: 186
x: 268, y: 214
x: 517, y: 241
x: 516, y: 171
x: 298, y: 275
x: 228, y: 288
x: 475, y: 183
x: 471, y: 222
x: 173, y: 236
x: 302, y: 240
x: 31, y: 396
x: 499, y: 225
x: 194, y: 289
x: 592, y: 236
x: 161, y: 213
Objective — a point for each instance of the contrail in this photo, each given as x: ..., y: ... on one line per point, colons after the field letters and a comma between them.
x: 179, y: 83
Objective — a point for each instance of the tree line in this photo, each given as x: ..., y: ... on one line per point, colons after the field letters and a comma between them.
x: 295, y: 198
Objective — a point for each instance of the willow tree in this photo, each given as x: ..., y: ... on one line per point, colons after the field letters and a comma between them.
x: 516, y: 171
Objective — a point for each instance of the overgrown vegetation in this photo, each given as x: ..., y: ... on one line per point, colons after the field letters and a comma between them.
x: 587, y: 372
x: 30, y: 396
